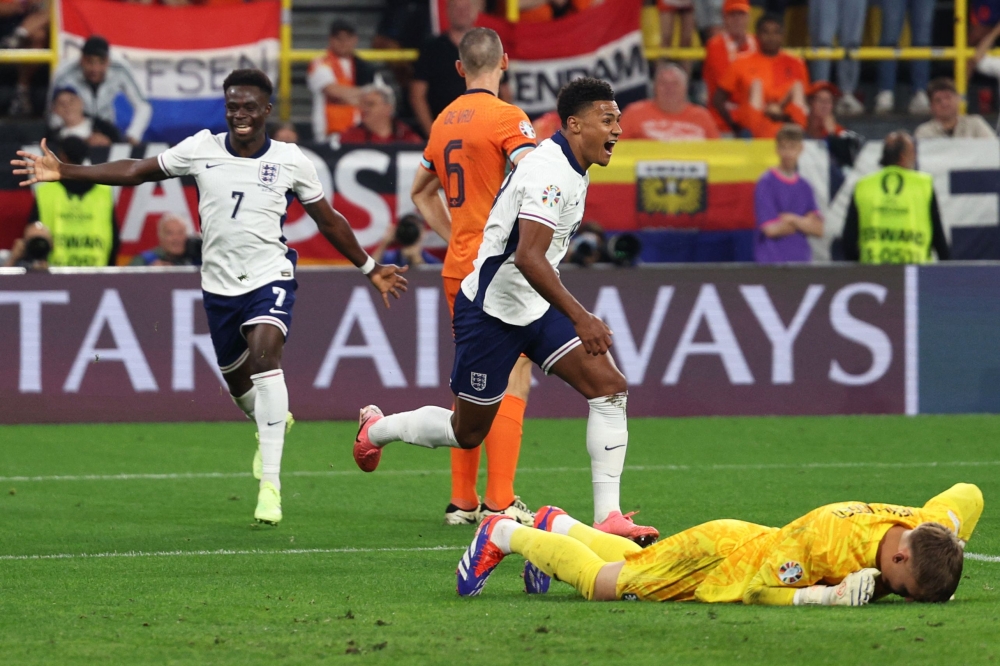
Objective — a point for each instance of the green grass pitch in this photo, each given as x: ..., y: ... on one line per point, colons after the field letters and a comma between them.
x: 362, y: 568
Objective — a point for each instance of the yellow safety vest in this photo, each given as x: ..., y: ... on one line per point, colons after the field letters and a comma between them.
x: 81, y: 226
x: 894, y: 216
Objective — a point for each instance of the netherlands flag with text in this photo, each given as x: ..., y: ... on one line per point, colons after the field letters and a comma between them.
x: 179, y: 55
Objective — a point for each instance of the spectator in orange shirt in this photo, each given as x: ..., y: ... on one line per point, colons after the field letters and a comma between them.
x: 768, y: 87
x: 334, y: 80
x: 670, y: 115
x: 378, y: 123
x: 722, y: 49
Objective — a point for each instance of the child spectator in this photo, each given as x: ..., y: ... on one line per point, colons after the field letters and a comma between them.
x: 722, y: 49
x: 821, y: 98
x: 768, y: 87
x: 947, y: 123
x: 785, y: 206
x: 670, y: 115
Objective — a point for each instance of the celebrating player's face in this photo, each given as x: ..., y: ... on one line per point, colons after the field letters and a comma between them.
x: 599, y: 131
x: 247, y: 109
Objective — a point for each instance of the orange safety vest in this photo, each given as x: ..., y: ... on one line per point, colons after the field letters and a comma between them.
x: 340, y: 117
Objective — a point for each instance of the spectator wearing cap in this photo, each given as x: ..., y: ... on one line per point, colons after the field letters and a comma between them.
x: 845, y: 20
x: 378, y: 123
x: 767, y: 87
x: 436, y: 82
x: 670, y: 115
x: 721, y: 50
x: 68, y: 119
x: 822, y: 97
x: 81, y: 216
x: 98, y: 79
x: 335, y: 80
x: 947, y: 123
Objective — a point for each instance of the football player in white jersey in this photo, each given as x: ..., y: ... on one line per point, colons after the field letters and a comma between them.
x: 514, y: 302
x: 245, y: 182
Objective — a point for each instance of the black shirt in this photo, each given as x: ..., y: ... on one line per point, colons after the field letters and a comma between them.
x: 436, y: 67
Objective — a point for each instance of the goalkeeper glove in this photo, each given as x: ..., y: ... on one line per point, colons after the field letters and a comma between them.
x: 856, y: 589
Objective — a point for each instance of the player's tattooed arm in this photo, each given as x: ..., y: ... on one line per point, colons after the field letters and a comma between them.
x: 529, y: 258
x: 388, y: 279
x: 47, y: 167
x: 427, y: 200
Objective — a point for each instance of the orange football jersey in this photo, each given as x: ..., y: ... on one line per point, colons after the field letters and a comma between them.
x: 472, y: 143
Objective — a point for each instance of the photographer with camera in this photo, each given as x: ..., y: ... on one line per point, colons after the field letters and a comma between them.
x: 408, y: 236
x: 590, y: 245
x: 32, y: 250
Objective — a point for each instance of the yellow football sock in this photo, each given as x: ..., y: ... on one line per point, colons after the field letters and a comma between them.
x: 609, y: 547
x: 559, y: 556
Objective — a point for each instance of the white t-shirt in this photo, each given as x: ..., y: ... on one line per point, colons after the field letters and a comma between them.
x: 242, y: 202
x: 549, y: 187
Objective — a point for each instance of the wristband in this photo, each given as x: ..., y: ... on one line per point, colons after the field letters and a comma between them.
x: 368, y: 266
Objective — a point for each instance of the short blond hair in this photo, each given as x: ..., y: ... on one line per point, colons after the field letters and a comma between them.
x: 936, y: 559
x: 791, y: 133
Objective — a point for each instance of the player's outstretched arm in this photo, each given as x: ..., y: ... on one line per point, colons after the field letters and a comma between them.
x: 387, y: 279
x: 529, y: 258
x: 427, y: 200
x: 47, y: 167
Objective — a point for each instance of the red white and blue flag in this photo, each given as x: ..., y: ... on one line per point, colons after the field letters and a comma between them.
x: 604, y: 41
x: 179, y: 55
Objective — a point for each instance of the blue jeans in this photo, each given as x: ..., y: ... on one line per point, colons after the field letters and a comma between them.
x: 844, y: 19
x: 921, y: 22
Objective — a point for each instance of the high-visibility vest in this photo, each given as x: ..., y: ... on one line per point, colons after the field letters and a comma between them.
x: 894, y: 216
x: 81, y: 226
x: 340, y: 117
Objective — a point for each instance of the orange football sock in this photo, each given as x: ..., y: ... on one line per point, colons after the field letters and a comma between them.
x: 503, y: 445
x: 464, y: 471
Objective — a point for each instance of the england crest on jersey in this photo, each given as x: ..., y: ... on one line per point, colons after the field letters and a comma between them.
x: 479, y: 381
x: 268, y: 173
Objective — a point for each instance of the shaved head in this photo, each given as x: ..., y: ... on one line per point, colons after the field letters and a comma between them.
x: 480, y: 51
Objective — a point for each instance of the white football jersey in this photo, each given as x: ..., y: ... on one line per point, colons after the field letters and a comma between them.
x: 242, y: 202
x: 549, y: 187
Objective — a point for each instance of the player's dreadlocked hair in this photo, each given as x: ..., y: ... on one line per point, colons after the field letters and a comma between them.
x: 937, y: 558
x: 578, y: 94
x: 249, y: 77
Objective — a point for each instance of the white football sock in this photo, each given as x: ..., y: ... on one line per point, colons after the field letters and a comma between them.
x: 562, y: 523
x: 429, y: 427
x: 270, y: 411
x: 607, y: 440
x: 501, y: 534
x: 247, y: 401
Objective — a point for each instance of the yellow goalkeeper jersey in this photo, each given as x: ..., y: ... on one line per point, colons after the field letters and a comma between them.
x: 827, y: 544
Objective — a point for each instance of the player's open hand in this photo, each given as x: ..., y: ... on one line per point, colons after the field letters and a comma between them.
x: 38, y: 168
x: 388, y: 279
x: 594, y: 334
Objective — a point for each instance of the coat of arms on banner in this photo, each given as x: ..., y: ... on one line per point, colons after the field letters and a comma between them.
x: 268, y: 173
x: 479, y: 381
x: 671, y: 188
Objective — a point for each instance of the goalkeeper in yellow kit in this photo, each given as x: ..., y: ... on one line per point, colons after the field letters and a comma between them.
x: 847, y: 554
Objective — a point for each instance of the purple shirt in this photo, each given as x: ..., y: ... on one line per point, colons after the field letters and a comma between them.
x: 775, y: 194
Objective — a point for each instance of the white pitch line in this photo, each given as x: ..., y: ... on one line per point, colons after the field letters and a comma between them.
x: 982, y: 558
x: 295, y: 551
x: 527, y: 470
x: 221, y: 551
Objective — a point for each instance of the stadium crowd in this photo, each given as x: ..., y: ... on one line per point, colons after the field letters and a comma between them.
x: 748, y: 86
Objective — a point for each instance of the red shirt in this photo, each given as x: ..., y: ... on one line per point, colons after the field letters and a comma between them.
x: 645, y: 120
x: 360, y: 134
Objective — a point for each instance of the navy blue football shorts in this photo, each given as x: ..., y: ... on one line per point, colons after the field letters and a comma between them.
x: 230, y: 316
x: 487, y: 348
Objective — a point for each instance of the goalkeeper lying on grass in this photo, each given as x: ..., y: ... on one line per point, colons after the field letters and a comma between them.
x: 845, y: 554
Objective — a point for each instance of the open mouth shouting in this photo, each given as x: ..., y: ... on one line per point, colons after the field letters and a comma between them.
x: 610, y: 146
